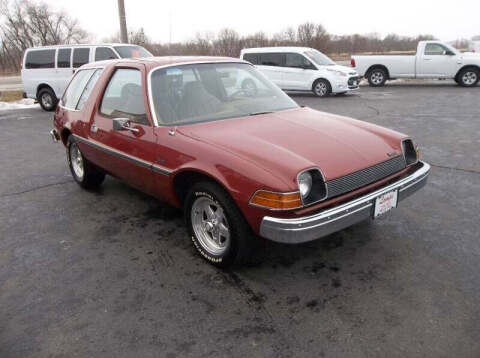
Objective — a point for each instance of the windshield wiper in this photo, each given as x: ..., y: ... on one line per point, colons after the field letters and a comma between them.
x: 257, y: 113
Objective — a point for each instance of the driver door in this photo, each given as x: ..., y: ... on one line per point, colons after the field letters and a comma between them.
x: 297, y: 72
x: 436, y: 62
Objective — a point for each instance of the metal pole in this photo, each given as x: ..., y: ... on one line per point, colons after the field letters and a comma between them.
x: 123, y: 21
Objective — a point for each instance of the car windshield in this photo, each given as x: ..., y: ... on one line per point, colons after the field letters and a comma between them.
x: 132, y: 51
x: 319, y: 58
x: 212, y: 91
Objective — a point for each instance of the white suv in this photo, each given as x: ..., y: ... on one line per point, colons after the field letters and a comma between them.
x: 302, y: 69
x: 47, y: 70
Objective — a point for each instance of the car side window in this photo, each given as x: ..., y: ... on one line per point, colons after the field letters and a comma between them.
x: 63, y: 58
x: 88, y: 88
x: 251, y: 57
x: 104, y: 53
x: 272, y: 59
x: 432, y: 49
x: 75, y: 89
x: 123, y: 97
x: 80, y: 56
x: 40, y: 59
x: 297, y: 61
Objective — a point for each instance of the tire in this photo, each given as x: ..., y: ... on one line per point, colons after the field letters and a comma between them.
x: 87, y: 175
x: 468, y: 77
x: 377, y: 77
x: 321, y: 88
x: 217, y: 228
x: 47, y: 99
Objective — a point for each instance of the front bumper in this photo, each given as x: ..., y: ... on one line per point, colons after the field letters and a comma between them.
x: 308, y: 228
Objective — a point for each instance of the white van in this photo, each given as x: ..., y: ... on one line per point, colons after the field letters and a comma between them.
x: 302, y: 69
x: 47, y: 70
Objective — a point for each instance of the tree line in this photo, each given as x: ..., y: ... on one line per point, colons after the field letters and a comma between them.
x: 24, y: 24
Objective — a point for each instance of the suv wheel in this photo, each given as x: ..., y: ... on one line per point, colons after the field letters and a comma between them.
x: 47, y: 99
x: 321, y: 88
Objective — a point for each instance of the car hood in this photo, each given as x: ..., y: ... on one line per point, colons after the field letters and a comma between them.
x: 471, y: 56
x: 289, y: 141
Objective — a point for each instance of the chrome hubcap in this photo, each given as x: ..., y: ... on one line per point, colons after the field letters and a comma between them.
x: 469, y: 78
x: 47, y: 100
x: 321, y: 89
x: 210, y: 225
x: 377, y: 77
x: 76, y: 160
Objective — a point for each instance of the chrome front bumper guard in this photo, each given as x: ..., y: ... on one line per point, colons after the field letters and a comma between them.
x: 308, y: 228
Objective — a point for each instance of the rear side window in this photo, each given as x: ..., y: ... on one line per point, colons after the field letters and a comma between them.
x: 251, y: 57
x: 123, y: 97
x: 75, y: 88
x: 272, y: 59
x: 104, y: 53
x: 63, y: 58
x: 40, y: 59
x: 88, y: 88
x: 80, y: 56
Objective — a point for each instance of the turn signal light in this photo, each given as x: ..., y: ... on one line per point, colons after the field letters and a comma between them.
x: 277, y: 201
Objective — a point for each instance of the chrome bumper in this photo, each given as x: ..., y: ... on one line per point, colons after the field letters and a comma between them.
x: 307, y: 228
x: 55, y: 136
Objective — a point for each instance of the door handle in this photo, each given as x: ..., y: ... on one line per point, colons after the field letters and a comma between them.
x: 427, y: 59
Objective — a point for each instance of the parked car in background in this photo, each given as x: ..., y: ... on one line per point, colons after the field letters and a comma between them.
x: 47, y: 70
x: 433, y: 59
x: 474, y: 46
x: 239, y: 162
x: 302, y: 69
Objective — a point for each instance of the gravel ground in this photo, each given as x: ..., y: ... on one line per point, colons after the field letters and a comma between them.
x: 112, y: 273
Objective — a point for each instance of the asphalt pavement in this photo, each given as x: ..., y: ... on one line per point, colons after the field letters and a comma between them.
x: 112, y: 273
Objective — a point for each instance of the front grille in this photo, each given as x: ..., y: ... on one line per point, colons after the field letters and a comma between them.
x: 364, y: 177
x: 351, y: 81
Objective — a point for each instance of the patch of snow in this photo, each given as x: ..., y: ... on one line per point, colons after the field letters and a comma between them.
x: 21, y: 104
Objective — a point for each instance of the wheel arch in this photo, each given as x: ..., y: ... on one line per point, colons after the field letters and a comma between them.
x: 45, y: 85
x: 373, y: 67
x: 477, y: 67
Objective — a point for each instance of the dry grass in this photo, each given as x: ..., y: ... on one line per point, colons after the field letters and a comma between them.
x: 10, y: 96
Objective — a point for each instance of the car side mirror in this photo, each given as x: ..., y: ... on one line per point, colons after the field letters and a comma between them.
x: 448, y: 53
x: 123, y: 124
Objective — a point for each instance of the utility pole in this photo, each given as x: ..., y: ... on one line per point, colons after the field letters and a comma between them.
x: 123, y: 21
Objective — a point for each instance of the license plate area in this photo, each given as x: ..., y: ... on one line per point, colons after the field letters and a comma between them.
x: 385, y: 202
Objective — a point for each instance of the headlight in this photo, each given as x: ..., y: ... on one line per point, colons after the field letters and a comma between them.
x: 337, y: 72
x: 410, y: 152
x: 311, y: 186
x: 304, y: 184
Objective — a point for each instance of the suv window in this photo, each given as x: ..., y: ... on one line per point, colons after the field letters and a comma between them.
x: 132, y: 51
x: 435, y: 49
x: 297, y: 61
x: 80, y: 56
x: 251, y: 57
x: 104, y: 53
x: 272, y: 59
x: 88, y: 88
x: 75, y: 88
x: 63, y: 58
x: 123, y: 97
x: 40, y: 59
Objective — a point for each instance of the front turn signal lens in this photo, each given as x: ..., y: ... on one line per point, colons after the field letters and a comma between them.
x: 276, y: 201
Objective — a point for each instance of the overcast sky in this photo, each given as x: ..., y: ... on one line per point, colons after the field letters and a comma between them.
x: 447, y: 20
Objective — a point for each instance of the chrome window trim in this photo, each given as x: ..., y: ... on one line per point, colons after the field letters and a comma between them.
x: 149, y: 83
x: 118, y: 153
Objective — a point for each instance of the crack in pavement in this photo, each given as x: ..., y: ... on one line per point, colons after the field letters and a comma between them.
x: 454, y: 168
x: 36, y: 188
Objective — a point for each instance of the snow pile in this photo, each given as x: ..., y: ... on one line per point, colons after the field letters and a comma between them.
x: 23, y: 103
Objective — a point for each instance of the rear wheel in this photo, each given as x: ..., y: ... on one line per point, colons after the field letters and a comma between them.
x: 218, y: 230
x: 47, y: 99
x: 468, y: 77
x: 377, y: 77
x: 321, y: 88
x: 85, y: 173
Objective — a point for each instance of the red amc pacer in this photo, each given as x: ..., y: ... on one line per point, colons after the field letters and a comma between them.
x: 215, y: 137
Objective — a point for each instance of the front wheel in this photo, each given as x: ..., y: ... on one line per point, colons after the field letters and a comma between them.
x: 377, y: 77
x: 321, y: 88
x: 85, y: 173
x: 468, y: 77
x: 217, y: 228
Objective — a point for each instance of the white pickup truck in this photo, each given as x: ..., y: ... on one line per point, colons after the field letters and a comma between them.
x: 433, y: 59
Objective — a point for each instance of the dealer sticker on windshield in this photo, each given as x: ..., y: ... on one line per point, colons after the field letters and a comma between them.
x: 385, y: 203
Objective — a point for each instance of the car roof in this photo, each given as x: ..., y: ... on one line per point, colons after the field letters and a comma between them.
x: 152, y: 62
x: 78, y: 45
x: 295, y: 49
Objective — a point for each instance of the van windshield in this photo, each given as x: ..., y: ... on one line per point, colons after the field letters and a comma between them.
x: 319, y: 58
x: 212, y: 91
x: 132, y: 51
